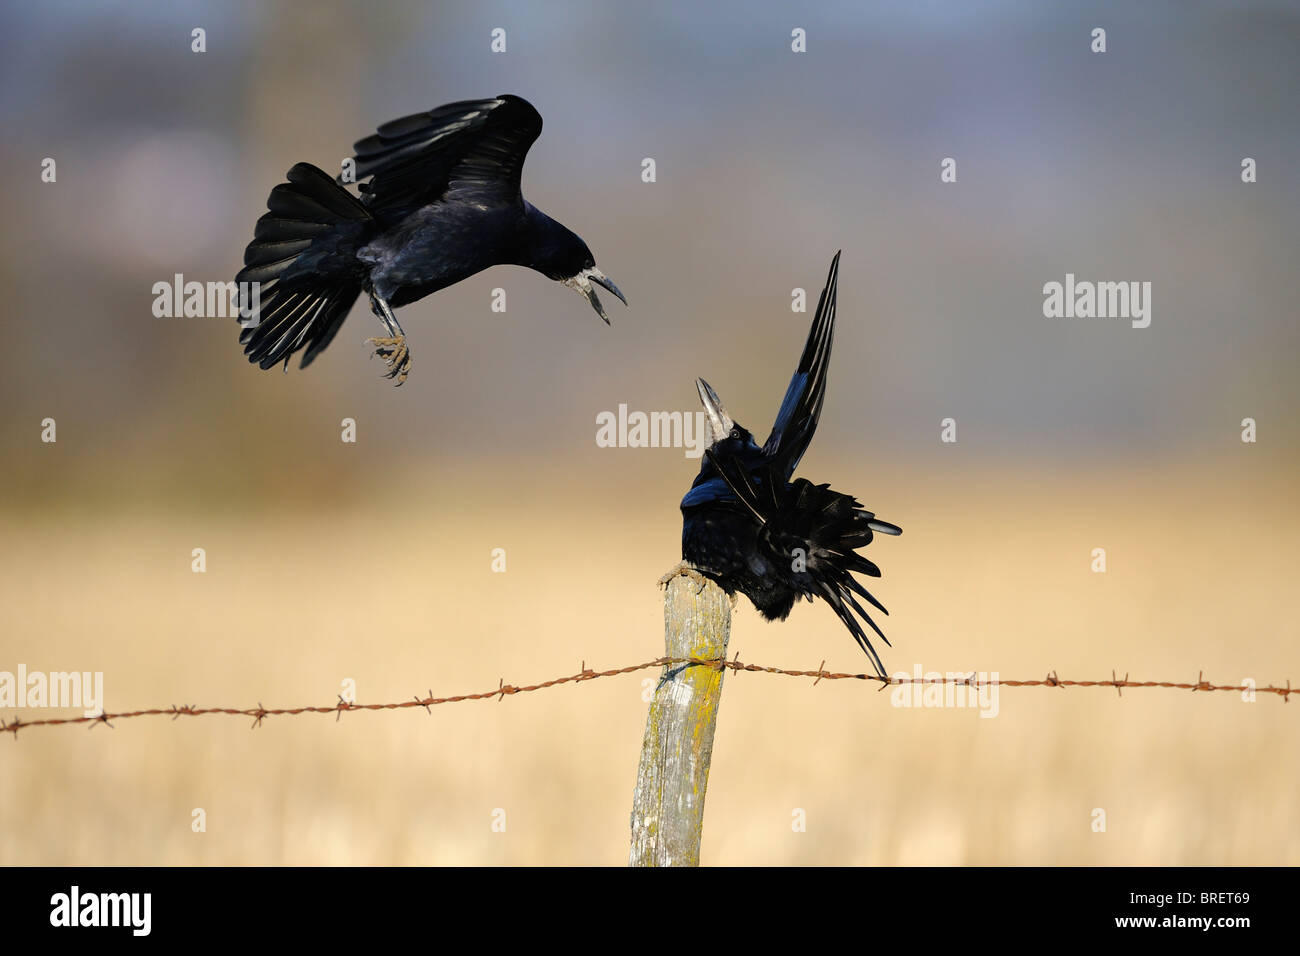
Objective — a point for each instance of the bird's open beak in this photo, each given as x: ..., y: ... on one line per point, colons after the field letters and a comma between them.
x: 720, y: 422
x: 582, y: 283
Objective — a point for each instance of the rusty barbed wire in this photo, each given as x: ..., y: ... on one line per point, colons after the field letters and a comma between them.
x: 503, y: 690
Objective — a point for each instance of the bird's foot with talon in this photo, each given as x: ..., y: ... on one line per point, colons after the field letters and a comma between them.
x: 688, y: 571
x: 395, y: 355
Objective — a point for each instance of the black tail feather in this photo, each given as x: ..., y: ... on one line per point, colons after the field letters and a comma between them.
x: 858, y: 589
x: 833, y: 598
x: 830, y: 527
x: 303, y: 257
x: 862, y: 613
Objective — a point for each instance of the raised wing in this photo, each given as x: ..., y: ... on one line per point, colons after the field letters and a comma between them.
x: 472, y: 149
x: 797, y: 420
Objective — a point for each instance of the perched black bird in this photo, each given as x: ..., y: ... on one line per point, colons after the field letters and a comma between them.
x: 441, y: 204
x: 751, y: 529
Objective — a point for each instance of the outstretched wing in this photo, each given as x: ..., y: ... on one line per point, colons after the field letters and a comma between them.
x: 797, y: 420
x: 472, y: 149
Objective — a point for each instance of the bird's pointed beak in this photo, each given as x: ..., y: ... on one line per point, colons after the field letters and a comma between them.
x: 720, y: 422
x: 605, y: 282
x: 582, y: 283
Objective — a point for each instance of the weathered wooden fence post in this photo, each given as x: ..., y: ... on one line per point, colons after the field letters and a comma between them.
x: 668, y: 805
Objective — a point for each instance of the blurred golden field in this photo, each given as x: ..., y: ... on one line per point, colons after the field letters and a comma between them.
x: 989, y: 574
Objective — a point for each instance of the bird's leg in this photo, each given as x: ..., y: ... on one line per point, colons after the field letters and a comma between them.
x: 685, y: 569
x: 391, y: 349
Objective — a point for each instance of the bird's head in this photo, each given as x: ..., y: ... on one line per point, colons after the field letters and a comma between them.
x: 560, y: 254
x: 726, y: 436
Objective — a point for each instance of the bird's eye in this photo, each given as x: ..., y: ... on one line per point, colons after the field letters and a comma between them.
x: 735, y: 433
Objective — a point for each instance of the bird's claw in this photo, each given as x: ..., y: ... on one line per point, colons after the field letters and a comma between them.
x: 395, y: 355
x: 688, y: 571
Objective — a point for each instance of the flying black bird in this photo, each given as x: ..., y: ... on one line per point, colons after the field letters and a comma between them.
x: 442, y: 203
x: 751, y: 529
